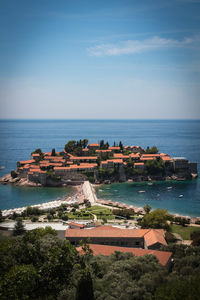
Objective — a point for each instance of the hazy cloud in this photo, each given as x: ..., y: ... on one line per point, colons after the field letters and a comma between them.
x: 136, y: 46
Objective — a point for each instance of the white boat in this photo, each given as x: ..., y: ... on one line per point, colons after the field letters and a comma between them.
x: 169, y: 187
x: 141, y: 191
x: 2, y: 167
x: 180, y: 196
x: 150, y: 183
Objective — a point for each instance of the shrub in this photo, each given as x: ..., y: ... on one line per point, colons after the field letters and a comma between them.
x: 13, y: 174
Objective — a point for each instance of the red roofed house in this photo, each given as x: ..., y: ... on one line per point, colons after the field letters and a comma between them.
x: 93, y: 146
x: 108, y: 235
x: 163, y: 257
x: 139, y: 165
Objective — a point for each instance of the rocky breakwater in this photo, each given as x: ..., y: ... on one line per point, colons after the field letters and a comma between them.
x: 18, y: 181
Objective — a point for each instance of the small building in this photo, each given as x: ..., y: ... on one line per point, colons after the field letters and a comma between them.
x: 93, y: 146
x: 114, y: 148
x: 139, y: 166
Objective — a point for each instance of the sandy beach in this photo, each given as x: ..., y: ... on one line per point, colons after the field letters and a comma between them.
x: 84, y: 191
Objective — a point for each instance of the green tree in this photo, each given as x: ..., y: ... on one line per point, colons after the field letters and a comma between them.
x: 195, y: 237
x: 152, y: 150
x: 70, y: 146
x: 53, y: 152
x: 19, y: 283
x: 188, y: 289
x: 147, y: 208
x: 85, y: 286
x: 13, y: 174
x: 19, y: 228
x: 156, y: 219
x: 121, y: 146
x: 154, y: 167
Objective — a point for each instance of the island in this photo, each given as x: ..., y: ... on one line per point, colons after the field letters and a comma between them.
x: 81, y: 161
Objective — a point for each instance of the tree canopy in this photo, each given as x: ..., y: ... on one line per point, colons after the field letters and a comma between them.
x: 156, y: 219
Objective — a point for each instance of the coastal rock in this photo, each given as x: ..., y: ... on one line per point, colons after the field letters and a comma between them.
x: 6, y: 178
x: 17, y: 181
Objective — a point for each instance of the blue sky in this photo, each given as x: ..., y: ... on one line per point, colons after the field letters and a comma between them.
x: 100, y: 59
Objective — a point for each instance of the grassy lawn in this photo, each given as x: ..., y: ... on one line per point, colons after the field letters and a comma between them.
x: 101, y: 212
x: 184, y: 231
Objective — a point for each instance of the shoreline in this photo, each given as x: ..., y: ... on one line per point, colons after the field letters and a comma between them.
x: 138, y: 208
x: 85, y: 191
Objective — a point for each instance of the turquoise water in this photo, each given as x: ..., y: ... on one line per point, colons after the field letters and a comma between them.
x: 177, y: 138
x: 159, y: 195
x: 14, y: 196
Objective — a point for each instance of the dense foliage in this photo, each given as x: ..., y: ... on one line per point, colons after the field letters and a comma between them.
x: 38, y: 265
x: 156, y: 219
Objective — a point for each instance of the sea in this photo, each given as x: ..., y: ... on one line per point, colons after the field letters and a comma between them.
x: 18, y: 138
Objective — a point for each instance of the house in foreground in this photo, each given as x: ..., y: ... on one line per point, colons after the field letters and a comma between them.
x: 113, y: 236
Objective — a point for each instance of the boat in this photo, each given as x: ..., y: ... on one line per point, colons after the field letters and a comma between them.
x: 2, y: 167
x: 150, y: 183
x: 169, y: 187
x: 141, y: 191
x: 180, y: 196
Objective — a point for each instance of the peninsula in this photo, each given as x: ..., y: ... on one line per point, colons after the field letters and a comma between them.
x: 99, y: 163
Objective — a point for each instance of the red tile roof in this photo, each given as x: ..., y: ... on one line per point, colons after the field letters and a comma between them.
x: 151, y: 236
x: 106, y: 231
x: 120, y: 155
x: 154, y: 236
x: 162, y: 256
x: 83, y: 157
x: 76, y: 224
x: 94, y: 145
x: 114, y: 148
x: 24, y: 162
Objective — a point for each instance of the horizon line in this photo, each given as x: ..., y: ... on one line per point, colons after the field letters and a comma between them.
x: 100, y: 119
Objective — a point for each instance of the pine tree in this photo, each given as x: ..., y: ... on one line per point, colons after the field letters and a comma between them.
x: 19, y: 228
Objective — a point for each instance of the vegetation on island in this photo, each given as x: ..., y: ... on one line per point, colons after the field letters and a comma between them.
x: 38, y: 265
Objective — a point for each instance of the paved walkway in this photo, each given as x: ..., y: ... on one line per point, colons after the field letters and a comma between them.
x: 89, y: 193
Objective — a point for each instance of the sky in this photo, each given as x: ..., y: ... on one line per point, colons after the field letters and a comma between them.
x: 113, y: 59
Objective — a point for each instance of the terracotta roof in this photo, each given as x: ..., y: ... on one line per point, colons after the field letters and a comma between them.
x: 30, y: 161
x: 114, y: 148
x: 103, y: 150
x: 85, y: 149
x: 116, y: 161
x: 162, y: 256
x: 151, y: 236
x: 166, y: 158
x: 106, y: 231
x: 35, y: 154
x: 83, y: 157
x: 147, y: 158
x: 94, y: 145
x: 151, y: 155
x: 139, y: 164
x: 133, y: 155
x: 76, y: 224
x: 120, y: 155
x: 154, y: 236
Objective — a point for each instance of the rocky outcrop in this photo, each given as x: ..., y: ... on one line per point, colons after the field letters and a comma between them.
x: 6, y: 179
